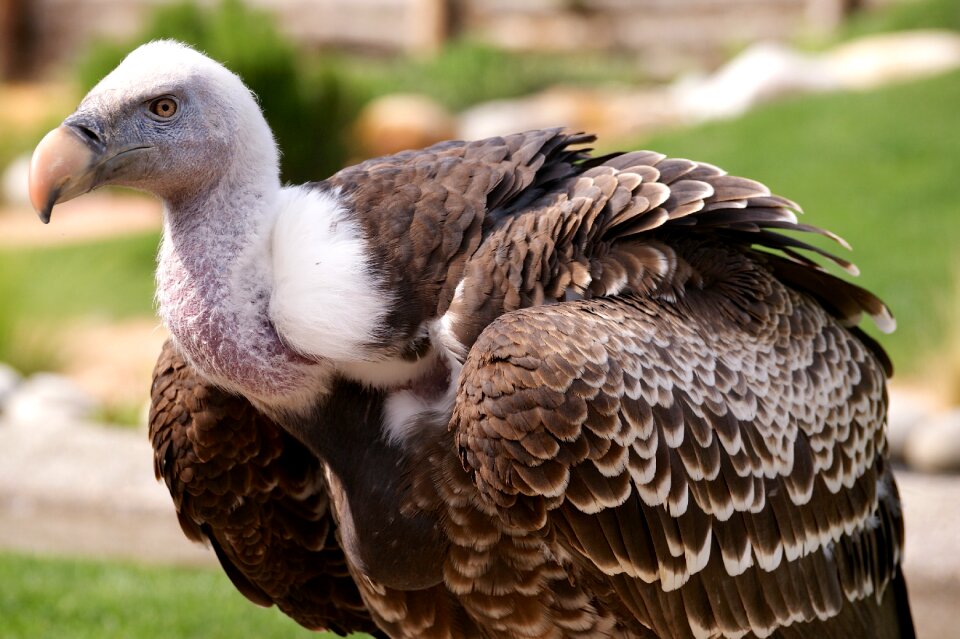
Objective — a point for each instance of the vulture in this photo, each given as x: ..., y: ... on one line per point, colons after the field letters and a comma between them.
x: 502, y: 388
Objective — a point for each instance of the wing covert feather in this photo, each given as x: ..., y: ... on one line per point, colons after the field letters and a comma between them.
x: 425, y: 211
x: 732, y: 437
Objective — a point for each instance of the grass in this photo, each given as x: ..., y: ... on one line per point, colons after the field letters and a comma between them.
x: 53, y: 597
x: 124, y: 415
x: 108, y: 280
x: 904, y: 15
x: 111, y: 278
x: 465, y: 73
x: 878, y: 168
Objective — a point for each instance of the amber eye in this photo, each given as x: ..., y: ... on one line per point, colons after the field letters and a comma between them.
x: 163, y: 108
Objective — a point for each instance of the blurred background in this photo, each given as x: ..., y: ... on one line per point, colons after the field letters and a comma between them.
x: 850, y: 107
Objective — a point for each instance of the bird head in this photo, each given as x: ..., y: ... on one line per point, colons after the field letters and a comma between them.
x: 167, y: 120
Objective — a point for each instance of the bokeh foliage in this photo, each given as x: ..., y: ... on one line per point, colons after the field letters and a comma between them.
x: 904, y: 15
x: 310, y: 100
x: 309, y: 109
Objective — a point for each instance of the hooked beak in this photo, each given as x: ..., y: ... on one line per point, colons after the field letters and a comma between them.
x: 60, y: 169
x: 70, y: 161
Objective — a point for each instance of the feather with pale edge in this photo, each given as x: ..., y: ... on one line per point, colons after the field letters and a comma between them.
x: 667, y: 421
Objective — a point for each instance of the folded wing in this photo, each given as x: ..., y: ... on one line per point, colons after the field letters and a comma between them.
x: 718, y: 457
x: 256, y: 495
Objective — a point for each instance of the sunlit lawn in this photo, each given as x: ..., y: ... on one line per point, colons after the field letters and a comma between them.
x: 45, y: 288
x: 880, y: 168
x: 47, y: 598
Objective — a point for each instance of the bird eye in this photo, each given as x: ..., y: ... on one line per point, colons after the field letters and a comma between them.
x: 163, y: 108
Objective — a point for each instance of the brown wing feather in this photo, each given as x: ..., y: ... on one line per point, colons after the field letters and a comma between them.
x: 697, y: 444
x: 426, y: 211
x: 718, y: 456
x: 609, y: 229
x: 256, y: 494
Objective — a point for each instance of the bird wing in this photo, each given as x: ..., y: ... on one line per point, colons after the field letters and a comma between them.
x: 256, y: 495
x: 615, y: 226
x: 426, y: 211
x: 718, y: 458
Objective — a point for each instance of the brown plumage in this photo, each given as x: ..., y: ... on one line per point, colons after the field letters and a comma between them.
x: 666, y: 424
x: 252, y: 491
x: 499, y: 388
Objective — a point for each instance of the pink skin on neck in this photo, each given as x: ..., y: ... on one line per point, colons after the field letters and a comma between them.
x: 226, y: 334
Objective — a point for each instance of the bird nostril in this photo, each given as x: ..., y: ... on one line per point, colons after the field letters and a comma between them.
x: 89, y: 133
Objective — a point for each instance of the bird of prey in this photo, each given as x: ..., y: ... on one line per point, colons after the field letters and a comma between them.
x: 500, y: 388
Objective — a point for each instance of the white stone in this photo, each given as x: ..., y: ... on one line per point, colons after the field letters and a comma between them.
x: 762, y: 73
x: 932, y: 552
x: 768, y: 71
x: 85, y: 489
x: 908, y: 409
x: 935, y: 446
x: 9, y: 380
x: 13, y: 183
x: 893, y: 57
x: 46, y: 397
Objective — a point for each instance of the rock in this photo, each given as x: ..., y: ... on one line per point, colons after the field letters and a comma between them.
x: 768, y: 71
x: 611, y: 113
x: 398, y: 122
x: 762, y: 73
x: 13, y: 184
x: 86, y: 489
x: 46, y: 397
x: 908, y: 410
x: 932, y: 550
x: 9, y: 380
x: 882, y: 59
x: 935, y: 446
x: 497, y: 117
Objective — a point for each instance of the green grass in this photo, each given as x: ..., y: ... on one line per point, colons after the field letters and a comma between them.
x: 904, y: 15
x: 880, y: 169
x: 44, y: 598
x: 111, y: 278
x: 43, y: 287
x: 465, y: 73
x: 123, y: 415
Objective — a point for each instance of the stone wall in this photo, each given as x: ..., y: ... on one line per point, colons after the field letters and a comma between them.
x: 668, y: 34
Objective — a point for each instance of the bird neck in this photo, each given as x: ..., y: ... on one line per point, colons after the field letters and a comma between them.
x: 228, y: 219
x: 214, y: 278
x: 221, y: 232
